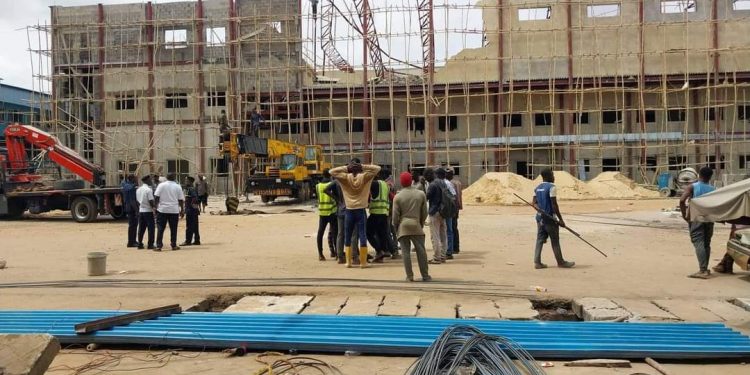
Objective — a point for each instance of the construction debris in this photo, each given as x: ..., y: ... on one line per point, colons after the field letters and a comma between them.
x: 27, y: 354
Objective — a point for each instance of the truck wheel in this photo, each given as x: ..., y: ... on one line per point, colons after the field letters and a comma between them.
x: 16, y: 208
x: 69, y: 184
x: 118, y: 212
x: 83, y: 209
x: 267, y: 198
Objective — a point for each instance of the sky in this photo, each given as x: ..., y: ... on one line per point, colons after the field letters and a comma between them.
x: 458, y: 26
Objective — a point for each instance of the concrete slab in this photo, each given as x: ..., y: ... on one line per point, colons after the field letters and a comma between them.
x: 688, y: 310
x: 399, y: 305
x: 645, y: 310
x: 326, y: 305
x: 726, y: 310
x: 598, y: 309
x: 477, y: 309
x: 27, y: 354
x: 362, y: 305
x: 516, y: 309
x: 271, y: 304
x: 435, y: 307
x: 743, y: 302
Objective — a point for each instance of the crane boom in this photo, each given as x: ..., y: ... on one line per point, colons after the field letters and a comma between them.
x: 17, y: 136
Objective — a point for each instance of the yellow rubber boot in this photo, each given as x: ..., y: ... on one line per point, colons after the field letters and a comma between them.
x: 363, y: 257
x: 348, y: 253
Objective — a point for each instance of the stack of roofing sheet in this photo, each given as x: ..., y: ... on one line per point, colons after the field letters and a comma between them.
x: 388, y: 335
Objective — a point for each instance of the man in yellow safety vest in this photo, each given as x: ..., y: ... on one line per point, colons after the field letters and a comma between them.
x: 377, y: 223
x: 327, y: 215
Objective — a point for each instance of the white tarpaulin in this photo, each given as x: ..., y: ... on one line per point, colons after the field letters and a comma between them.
x: 728, y: 204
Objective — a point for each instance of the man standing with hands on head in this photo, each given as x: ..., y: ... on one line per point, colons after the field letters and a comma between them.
x: 408, y: 216
x: 170, y: 206
x: 146, y: 212
x: 354, y: 181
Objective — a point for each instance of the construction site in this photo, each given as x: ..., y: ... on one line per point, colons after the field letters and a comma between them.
x: 627, y: 101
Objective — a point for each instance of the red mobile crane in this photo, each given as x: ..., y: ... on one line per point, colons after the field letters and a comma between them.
x: 21, y: 188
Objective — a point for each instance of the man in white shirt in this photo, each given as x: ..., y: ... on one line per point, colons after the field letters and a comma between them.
x: 170, y: 202
x: 146, y: 212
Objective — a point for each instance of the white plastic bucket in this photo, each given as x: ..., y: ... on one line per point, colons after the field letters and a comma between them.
x: 97, y: 263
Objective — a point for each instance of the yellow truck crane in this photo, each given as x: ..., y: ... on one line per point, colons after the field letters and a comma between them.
x: 285, y: 169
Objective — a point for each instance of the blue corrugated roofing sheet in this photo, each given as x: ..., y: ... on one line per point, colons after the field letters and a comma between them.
x: 389, y: 335
x: 20, y: 96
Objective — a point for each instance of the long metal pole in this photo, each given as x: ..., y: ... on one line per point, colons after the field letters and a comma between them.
x: 555, y: 220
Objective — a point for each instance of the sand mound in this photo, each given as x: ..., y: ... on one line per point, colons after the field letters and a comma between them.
x: 498, y: 188
x: 614, y: 185
x: 569, y: 187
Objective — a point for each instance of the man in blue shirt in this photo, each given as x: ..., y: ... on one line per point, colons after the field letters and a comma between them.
x: 549, y: 223
x: 131, y: 206
x: 700, y: 233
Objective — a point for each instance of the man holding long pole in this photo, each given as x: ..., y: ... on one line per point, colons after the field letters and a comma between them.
x: 549, y: 220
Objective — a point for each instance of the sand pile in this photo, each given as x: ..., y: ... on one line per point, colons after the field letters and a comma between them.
x: 498, y: 188
x: 569, y: 187
x: 615, y: 185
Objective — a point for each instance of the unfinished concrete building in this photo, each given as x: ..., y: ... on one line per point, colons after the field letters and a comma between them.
x: 639, y: 86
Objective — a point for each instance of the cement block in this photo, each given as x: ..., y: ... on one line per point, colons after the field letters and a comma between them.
x: 399, y: 305
x: 743, y: 302
x: 27, y: 354
x: 478, y: 309
x: 325, y: 305
x: 362, y: 305
x: 688, y: 310
x: 598, y: 309
x: 270, y: 304
x: 432, y: 307
x: 516, y: 309
x: 646, y: 310
x: 726, y: 310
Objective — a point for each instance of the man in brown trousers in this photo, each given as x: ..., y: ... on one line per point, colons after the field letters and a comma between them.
x: 408, y: 217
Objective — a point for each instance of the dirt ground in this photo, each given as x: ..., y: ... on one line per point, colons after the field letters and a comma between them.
x: 649, y: 257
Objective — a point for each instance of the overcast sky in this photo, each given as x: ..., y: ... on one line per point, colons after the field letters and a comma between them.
x: 404, y: 43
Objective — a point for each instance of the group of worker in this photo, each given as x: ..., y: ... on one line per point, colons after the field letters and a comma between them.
x: 160, y: 202
x: 396, y: 220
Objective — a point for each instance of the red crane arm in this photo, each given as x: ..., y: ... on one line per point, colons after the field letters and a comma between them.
x: 18, y: 135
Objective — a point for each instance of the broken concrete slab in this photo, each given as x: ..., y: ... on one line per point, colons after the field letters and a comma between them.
x: 27, y: 354
x: 325, y: 305
x: 688, y: 310
x: 598, y: 309
x: 399, y: 305
x: 478, y: 309
x: 743, y: 302
x: 270, y: 304
x: 646, y: 310
x: 362, y: 305
x: 433, y: 307
x: 516, y: 309
x: 726, y: 310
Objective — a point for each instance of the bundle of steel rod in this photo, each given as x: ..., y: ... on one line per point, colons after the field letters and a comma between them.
x: 465, y: 346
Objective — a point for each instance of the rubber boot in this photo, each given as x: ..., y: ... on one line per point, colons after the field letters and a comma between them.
x: 363, y: 257
x: 348, y: 251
